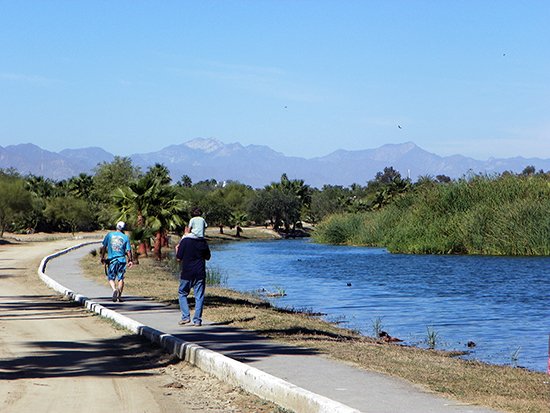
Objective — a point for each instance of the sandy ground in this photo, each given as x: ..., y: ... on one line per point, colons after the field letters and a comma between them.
x: 56, y: 357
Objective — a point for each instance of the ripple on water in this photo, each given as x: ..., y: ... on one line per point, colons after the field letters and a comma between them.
x: 500, y: 303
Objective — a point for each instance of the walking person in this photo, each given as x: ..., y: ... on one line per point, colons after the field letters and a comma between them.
x: 193, y: 254
x: 116, y: 245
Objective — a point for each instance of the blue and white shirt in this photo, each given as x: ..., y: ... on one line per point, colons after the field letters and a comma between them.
x: 117, y: 244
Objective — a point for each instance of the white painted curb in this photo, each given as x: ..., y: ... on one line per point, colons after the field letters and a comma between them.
x: 251, y: 379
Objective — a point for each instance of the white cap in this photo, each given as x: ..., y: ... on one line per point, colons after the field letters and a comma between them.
x: 120, y: 225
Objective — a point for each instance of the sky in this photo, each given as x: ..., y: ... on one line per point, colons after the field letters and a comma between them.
x: 304, y: 77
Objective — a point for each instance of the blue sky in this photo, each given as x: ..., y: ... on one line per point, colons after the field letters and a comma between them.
x: 303, y: 77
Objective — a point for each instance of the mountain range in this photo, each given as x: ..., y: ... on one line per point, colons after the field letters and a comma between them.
x: 259, y: 165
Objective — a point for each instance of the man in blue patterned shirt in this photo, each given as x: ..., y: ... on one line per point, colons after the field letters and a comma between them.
x: 117, y: 246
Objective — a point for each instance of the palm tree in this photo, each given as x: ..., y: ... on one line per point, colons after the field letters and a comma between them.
x: 151, y: 203
x: 298, y: 188
x: 165, y: 214
x: 238, y: 219
x: 42, y: 189
x: 40, y: 186
x: 159, y: 173
x: 296, y: 195
x: 81, y: 186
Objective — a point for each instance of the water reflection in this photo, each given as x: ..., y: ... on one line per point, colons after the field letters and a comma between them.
x: 500, y: 303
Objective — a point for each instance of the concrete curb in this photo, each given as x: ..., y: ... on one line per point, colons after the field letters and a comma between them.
x: 251, y: 379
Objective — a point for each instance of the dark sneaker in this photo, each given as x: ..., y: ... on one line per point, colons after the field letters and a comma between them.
x: 183, y: 322
x: 197, y: 324
x: 115, y: 296
x: 119, y: 298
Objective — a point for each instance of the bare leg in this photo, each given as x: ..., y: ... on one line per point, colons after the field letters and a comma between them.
x: 115, y: 290
x: 112, y: 284
x: 120, y: 287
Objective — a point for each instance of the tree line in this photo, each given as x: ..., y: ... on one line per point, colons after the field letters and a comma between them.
x: 153, y: 205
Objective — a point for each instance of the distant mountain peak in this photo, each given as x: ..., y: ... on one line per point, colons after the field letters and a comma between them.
x: 405, y: 146
x: 207, y: 145
x: 31, y: 147
x: 392, y: 152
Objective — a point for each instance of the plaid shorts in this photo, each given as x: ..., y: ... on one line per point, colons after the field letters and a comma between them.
x: 116, y: 270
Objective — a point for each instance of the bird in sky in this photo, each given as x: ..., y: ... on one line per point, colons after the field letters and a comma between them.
x: 399, y: 126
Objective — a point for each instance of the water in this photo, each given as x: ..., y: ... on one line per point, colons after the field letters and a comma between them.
x: 500, y: 303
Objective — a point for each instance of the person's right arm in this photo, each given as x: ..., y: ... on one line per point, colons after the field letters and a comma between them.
x: 103, y: 250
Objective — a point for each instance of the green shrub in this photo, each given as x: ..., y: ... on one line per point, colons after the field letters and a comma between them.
x: 505, y: 215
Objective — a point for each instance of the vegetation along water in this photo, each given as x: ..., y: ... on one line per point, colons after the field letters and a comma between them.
x: 502, y: 215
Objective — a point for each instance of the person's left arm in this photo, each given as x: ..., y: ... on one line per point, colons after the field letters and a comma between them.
x: 206, y: 252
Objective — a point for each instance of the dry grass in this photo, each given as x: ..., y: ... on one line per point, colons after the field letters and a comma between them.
x: 503, y: 388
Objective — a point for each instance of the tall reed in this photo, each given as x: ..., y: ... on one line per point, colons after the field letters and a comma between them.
x: 505, y: 215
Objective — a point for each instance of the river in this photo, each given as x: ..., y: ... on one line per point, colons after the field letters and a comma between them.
x: 502, y: 304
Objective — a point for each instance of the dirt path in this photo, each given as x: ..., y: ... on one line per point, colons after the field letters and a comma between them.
x: 56, y: 357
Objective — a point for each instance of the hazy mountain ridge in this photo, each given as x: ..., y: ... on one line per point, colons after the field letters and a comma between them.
x: 259, y: 165
x: 89, y: 156
x: 29, y: 158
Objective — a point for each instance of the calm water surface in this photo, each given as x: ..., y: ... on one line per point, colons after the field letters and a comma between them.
x: 500, y: 303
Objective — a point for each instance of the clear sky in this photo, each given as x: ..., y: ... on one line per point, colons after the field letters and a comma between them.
x: 305, y: 77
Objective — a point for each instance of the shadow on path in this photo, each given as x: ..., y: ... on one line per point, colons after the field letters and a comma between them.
x: 239, y: 344
x: 39, y: 303
x: 127, y: 356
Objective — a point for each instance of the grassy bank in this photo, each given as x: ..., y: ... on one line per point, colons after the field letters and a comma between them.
x: 507, y: 215
x: 503, y: 388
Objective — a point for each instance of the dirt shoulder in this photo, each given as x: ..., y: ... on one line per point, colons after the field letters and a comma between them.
x: 54, y: 356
